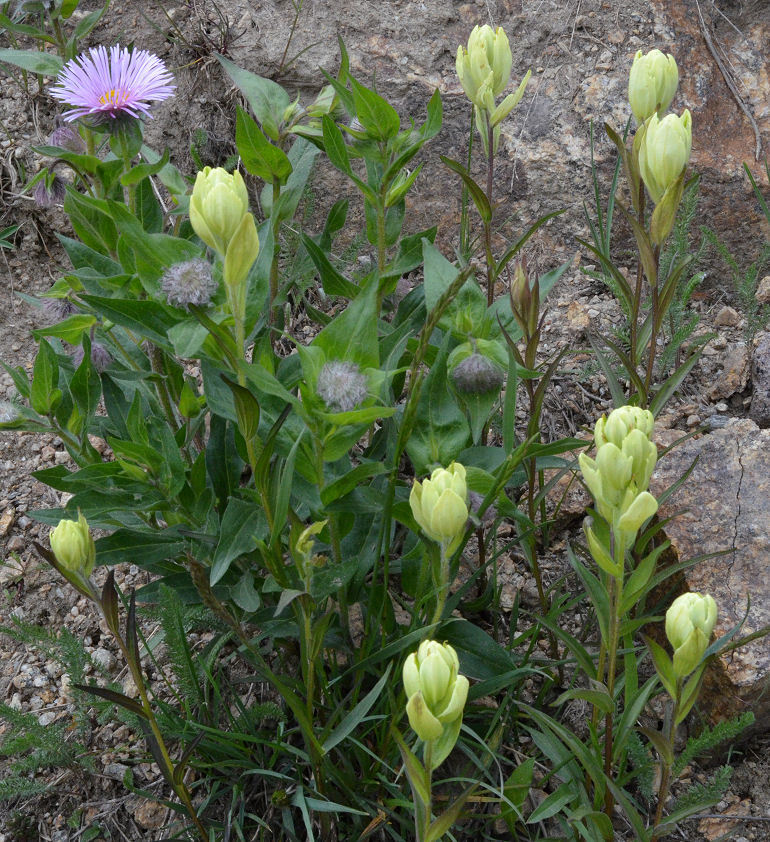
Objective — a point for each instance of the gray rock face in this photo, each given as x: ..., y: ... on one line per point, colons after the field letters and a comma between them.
x: 725, y: 506
x: 759, y: 411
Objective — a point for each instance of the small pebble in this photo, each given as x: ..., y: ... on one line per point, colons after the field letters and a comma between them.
x: 103, y: 658
x: 727, y: 317
x: 693, y: 420
x: 46, y: 718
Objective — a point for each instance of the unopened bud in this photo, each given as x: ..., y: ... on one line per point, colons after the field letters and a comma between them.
x: 477, y: 375
x: 652, y: 83
x: 439, y: 505
x: 664, y: 152
x: 73, y: 546
x: 436, y: 692
x: 689, y: 623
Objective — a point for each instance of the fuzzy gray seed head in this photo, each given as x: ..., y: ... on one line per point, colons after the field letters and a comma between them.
x: 341, y: 386
x: 8, y: 412
x: 189, y: 283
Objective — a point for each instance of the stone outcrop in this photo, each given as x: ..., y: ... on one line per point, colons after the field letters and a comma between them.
x: 725, y: 506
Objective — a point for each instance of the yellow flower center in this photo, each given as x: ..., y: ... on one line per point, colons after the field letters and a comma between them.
x: 112, y: 97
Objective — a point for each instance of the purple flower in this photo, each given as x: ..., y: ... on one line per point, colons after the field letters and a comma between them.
x: 65, y: 137
x: 46, y: 194
x: 100, y: 356
x: 112, y: 83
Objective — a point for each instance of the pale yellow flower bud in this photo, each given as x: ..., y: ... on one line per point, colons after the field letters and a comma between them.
x: 242, y: 251
x: 689, y: 623
x: 484, y: 70
x: 218, y: 203
x: 440, y: 505
x: 436, y: 692
x: 664, y: 152
x: 652, y: 83
x: 644, y: 506
x: 73, y: 546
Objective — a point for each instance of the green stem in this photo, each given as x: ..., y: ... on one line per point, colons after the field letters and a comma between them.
x: 669, y: 732
x: 638, y: 289
x: 423, y: 816
x: 156, y: 362
x: 488, y: 225
x: 275, y: 225
x: 616, y: 600
x: 443, y: 584
x: 656, y: 320
x: 180, y: 789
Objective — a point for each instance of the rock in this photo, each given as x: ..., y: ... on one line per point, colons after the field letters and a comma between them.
x: 578, y: 317
x: 6, y: 520
x: 150, y: 815
x: 116, y: 771
x: 10, y: 572
x: 759, y: 412
x: 727, y: 317
x: 16, y: 544
x: 734, y: 375
x: 725, y: 506
x: 762, y: 295
x: 103, y: 658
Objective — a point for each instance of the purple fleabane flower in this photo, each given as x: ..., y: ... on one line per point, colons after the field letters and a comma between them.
x: 114, y: 83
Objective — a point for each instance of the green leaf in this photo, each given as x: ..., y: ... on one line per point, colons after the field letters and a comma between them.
x: 143, y: 317
x: 246, y: 409
x: 690, y: 693
x: 242, y: 525
x: 600, y: 699
x: 45, y: 377
x: 415, y: 771
x: 596, y: 592
x: 85, y: 387
x: 70, y: 330
x: 113, y: 696
x: 662, y: 745
x: 440, y: 429
x: 35, y: 61
x: 92, y: 221
x: 443, y: 823
x: 515, y: 792
x: 332, y: 281
x: 476, y: 191
x: 142, y: 171
x: 334, y: 144
x: 663, y: 666
x: 142, y: 548
x: 345, y: 484
x: 259, y: 156
x: 301, y: 158
x: 353, y: 334
x: 354, y: 718
x: 375, y: 114
x: 480, y: 656
x: 267, y: 99
x: 552, y: 804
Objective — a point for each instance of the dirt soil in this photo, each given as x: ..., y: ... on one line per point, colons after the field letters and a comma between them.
x: 572, y: 35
